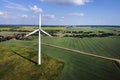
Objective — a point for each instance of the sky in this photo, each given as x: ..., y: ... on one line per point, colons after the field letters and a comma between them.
x: 60, y: 12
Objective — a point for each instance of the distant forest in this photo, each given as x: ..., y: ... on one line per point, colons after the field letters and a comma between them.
x: 62, y: 25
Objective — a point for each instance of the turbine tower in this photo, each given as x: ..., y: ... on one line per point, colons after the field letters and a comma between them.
x: 39, y: 38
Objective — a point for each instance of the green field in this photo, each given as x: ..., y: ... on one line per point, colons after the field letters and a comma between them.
x: 108, y: 46
x: 79, y: 66
x: 19, y: 62
x: 76, y: 66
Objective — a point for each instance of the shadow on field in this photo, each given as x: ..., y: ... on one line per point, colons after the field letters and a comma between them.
x: 24, y: 57
x: 117, y: 63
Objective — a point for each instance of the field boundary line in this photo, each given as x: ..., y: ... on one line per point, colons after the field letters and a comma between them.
x: 84, y: 53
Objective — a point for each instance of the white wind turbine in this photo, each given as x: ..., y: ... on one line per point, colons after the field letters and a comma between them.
x: 39, y: 38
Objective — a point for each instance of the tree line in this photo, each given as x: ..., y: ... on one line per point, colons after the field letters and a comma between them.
x: 81, y: 34
x: 15, y: 36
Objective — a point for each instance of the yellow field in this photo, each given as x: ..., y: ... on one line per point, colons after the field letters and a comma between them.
x: 54, y: 28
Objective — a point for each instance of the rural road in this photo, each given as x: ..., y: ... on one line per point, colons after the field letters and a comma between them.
x: 84, y: 53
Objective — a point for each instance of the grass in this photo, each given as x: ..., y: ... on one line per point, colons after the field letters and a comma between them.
x: 54, y: 28
x: 94, y: 29
x: 9, y: 33
x: 14, y: 67
x: 31, y: 28
x: 76, y: 66
x: 108, y: 46
x: 7, y: 30
x: 4, y: 28
x: 27, y: 28
x: 83, y: 67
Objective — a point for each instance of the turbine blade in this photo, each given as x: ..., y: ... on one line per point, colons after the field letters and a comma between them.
x: 45, y: 33
x: 32, y: 33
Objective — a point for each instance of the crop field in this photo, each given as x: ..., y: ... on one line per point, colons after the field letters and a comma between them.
x: 54, y: 28
x: 61, y: 64
x: 103, y: 46
x: 9, y: 33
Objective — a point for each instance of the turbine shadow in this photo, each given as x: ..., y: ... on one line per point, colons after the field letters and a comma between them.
x: 117, y: 64
x: 24, y: 57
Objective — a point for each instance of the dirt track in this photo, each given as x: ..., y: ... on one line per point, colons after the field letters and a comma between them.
x: 89, y: 54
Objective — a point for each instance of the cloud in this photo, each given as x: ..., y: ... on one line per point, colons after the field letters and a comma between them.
x: 77, y: 14
x: 12, y: 5
x: 62, y: 19
x: 48, y: 16
x: 10, y: 15
x: 36, y: 9
x: 24, y: 16
x: 3, y: 14
x: 68, y: 2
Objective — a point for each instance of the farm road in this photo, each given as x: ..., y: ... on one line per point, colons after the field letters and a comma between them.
x: 84, y: 53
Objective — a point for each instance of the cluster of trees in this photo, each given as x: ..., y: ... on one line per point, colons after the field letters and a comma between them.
x: 78, y: 32
x: 51, y: 32
x: 2, y: 38
x: 15, y: 36
x: 90, y: 35
x: 19, y: 36
x: 73, y: 32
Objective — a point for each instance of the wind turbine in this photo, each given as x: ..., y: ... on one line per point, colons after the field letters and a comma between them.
x: 39, y: 38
